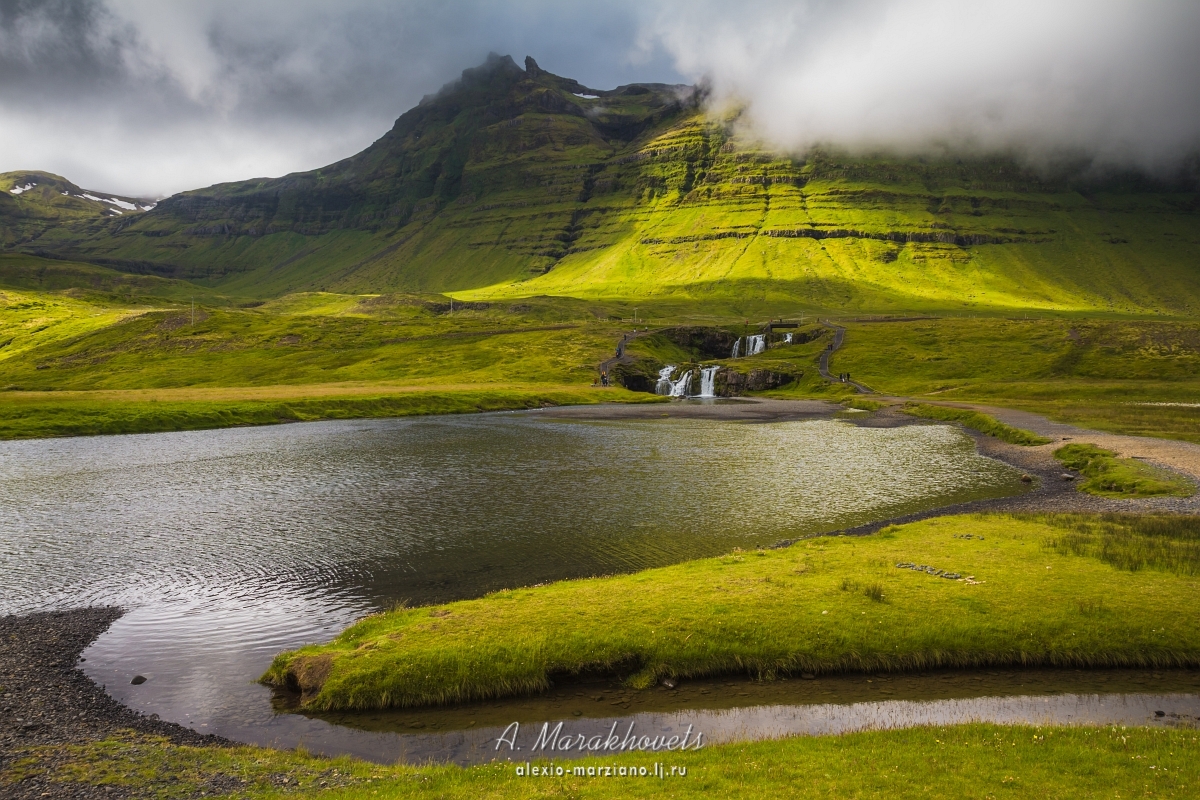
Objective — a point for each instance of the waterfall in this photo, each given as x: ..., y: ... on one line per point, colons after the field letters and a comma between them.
x: 708, y: 381
x: 787, y: 338
x: 680, y: 387
x: 754, y: 345
x: 664, y: 380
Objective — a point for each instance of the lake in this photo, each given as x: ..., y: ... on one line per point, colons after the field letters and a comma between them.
x: 229, y: 546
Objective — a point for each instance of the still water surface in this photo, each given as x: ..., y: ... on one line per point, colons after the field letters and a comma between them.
x: 229, y: 546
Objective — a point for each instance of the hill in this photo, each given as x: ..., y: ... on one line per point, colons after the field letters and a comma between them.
x: 517, y: 182
x: 33, y: 204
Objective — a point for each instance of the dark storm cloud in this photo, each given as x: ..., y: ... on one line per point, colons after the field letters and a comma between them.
x: 146, y: 97
x: 141, y: 96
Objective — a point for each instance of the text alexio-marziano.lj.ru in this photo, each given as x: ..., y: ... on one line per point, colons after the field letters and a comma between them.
x: 553, y: 740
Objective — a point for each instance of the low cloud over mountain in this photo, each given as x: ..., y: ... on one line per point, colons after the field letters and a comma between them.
x: 1117, y: 82
x: 148, y: 98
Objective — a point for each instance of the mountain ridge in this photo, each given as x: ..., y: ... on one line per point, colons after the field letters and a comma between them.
x: 515, y: 181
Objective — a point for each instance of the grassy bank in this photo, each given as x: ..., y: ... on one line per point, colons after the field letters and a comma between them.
x: 1121, y: 375
x: 113, y: 413
x: 1110, y: 476
x: 823, y: 605
x: 983, y: 423
x: 960, y: 761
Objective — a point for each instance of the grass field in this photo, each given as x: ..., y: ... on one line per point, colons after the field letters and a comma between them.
x: 35, y: 415
x: 130, y: 333
x: 962, y: 761
x: 102, y: 361
x: 1137, y: 376
x: 823, y: 605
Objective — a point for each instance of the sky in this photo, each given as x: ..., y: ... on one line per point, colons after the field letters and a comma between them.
x: 148, y: 98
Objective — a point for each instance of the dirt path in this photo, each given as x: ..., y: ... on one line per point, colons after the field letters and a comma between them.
x: 1181, y: 457
x: 621, y: 357
x: 839, y: 335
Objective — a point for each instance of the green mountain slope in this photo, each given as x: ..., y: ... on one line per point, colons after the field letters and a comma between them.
x: 516, y: 182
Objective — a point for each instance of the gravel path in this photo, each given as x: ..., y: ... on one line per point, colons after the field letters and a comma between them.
x: 46, y: 700
x: 1180, y: 457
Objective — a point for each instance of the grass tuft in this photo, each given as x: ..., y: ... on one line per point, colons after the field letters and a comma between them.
x: 983, y: 423
x: 975, y: 760
x: 1167, y: 543
x: 1110, y: 476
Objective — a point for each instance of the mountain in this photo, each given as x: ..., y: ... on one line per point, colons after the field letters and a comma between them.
x: 33, y: 204
x: 514, y: 181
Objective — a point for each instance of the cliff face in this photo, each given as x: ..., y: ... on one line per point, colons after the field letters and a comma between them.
x: 516, y: 181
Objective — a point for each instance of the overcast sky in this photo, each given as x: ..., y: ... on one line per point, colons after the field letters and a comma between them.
x: 148, y: 97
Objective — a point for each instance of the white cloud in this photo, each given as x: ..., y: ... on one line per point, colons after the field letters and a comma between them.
x: 1119, y: 81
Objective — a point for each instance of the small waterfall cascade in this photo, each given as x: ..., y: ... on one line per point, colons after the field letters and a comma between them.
x: 754, y: 345
x: 680, y: 387
x: 664, y: 384
x: 787, y: 338
x: 708, y: 381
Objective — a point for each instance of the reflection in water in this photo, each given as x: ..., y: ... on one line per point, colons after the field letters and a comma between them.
x: 474, y: 746
x: 726, y: 710
x: 229, y: 546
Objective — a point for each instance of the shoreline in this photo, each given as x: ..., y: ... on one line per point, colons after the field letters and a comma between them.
x: 46, y: 700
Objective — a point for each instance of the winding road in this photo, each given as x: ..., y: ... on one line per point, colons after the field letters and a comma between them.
x: 839, y: 335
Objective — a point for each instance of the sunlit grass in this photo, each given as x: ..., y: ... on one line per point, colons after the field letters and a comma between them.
x: 1102, y: 373
x: 1132, y: 542
x: 768, y: 613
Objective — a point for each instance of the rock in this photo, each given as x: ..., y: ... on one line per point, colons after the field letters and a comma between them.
x: 138, y: 680
x: 703, y: 342
x: 730, y: 383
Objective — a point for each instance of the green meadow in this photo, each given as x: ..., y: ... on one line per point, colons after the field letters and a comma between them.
x: 132, y: 356
x: 967, y: 591
x: 1109, y: 476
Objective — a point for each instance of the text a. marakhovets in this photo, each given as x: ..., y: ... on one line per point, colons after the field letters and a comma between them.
x: 555, y: 740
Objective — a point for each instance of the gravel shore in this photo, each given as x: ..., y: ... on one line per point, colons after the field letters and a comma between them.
x: 46, y: 700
